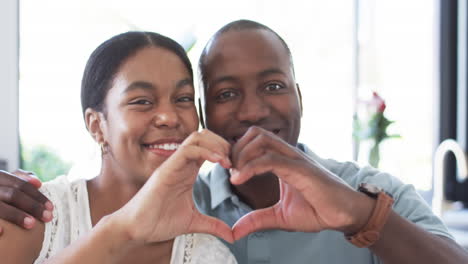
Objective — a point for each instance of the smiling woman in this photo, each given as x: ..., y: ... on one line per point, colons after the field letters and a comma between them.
x: 137, y: 102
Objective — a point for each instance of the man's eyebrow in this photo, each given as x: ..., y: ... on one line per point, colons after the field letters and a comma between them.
x: 270, y: 71
x: 139, y: 85
x: 222, y: 79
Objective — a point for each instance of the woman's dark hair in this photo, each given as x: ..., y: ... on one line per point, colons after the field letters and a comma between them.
x: 105, y: 61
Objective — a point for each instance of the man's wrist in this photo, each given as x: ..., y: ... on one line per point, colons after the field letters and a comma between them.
x: 370, y: 233
x: 360, y: 212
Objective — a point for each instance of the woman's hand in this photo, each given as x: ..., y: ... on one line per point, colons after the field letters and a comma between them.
x: 164, y: 207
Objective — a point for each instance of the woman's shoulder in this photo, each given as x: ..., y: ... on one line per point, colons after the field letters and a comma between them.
x: 204, y: 248
x: 63, y: 193
x: 70, y: 214
x: 62, y: 184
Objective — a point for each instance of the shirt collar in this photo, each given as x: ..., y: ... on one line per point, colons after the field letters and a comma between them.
x: 220, y: 187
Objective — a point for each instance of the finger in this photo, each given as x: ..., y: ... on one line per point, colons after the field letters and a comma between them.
x: 174, y: 170
x: 209, y: 140
x: 213, y: 226
x: 200, y: 154
x: 22, y: 201
x: 254, y: 149
x: 249, y: 135
x: 256, y: 142
x: 10, y: 180
x: 15, y: 216
x: 255, y: 221
x: 285, y: 168
x: 214, y: 139
x: 29, y: 177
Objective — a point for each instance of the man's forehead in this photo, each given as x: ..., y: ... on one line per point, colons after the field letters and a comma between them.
x: 254, y: 47
x: 244, y: 39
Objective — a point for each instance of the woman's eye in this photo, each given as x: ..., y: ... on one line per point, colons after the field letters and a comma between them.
x: 272, y: 87
x: 140, y: 102
x: 225, y: 95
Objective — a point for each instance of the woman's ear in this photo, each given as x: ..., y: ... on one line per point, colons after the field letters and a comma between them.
x: 300, y: 97
x: 94, y: 121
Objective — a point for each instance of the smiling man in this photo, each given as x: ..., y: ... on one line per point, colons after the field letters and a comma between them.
x: 251, y: 98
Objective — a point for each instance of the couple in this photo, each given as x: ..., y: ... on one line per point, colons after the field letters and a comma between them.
x: 138, y: 104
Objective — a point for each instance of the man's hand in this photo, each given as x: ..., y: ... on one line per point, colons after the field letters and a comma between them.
x: 312, y: 199
x: 20, y: 200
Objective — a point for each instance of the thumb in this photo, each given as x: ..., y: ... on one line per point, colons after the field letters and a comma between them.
x: 257, y: 220
x: 213, y: 226
x: 29, y: 177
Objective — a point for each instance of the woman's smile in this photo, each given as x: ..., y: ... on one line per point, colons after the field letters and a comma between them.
x: 163, y: 147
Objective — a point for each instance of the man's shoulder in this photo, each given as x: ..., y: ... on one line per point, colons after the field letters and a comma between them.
x: 354, y: 174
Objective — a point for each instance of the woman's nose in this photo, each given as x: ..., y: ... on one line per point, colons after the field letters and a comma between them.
x: 166, y: 116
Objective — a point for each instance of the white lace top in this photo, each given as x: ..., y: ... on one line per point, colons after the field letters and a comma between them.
x: 72, y: 219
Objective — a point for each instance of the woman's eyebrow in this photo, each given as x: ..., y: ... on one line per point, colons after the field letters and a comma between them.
x: 139, y: 85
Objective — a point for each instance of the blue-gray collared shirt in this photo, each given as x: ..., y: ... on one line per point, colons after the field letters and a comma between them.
x: 213, y: 196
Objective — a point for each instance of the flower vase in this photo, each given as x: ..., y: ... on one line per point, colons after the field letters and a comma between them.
x: 374, y: 155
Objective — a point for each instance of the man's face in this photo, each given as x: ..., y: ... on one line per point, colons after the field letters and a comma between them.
x: 249, y: 82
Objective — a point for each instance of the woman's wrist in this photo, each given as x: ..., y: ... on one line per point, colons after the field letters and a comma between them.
x: 116, y: 232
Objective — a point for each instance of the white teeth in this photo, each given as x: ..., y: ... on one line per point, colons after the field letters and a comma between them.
x: 166, y: 146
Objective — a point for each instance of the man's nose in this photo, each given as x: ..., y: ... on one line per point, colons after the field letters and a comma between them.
x: 253, y: 109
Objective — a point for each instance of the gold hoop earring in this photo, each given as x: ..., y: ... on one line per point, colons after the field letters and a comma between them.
x: 103, y: 148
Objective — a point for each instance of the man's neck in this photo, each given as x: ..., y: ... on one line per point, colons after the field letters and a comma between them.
x: 261, y: 191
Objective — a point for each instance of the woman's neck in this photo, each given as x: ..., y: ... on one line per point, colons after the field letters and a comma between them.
x: 109, y: 191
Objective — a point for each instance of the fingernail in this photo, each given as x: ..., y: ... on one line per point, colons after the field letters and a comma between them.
x: 234, y: 172
x: 28, y: 222
x: 46, y: 215
x: 49, y: 206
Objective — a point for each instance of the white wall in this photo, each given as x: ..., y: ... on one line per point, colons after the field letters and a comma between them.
x: 9, y: 45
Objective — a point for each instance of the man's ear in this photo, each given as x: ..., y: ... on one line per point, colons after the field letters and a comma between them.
x: 300, y: 97
x: 93, y: 120
x: 200, y: 113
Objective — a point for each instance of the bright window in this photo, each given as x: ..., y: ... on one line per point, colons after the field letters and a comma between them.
x: 57, y: 37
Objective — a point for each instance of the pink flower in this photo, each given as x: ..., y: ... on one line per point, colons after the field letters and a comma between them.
x: 377, y: 104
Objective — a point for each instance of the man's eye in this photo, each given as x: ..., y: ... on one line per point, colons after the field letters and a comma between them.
x: 272, y: 87
x: 226, y: 95
x: 185, y: 99
x: 140, y: 102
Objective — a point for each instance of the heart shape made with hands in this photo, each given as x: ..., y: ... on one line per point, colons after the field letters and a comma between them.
x: 165, y: 208
x: 304, y: 202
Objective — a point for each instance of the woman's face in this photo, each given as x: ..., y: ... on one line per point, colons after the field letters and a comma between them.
x: 149, y: 110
